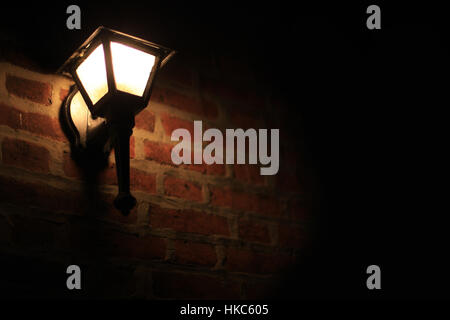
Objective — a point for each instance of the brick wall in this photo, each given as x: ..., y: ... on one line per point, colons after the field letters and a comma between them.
x: 198, y: 231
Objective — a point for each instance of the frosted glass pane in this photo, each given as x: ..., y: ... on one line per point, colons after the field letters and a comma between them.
x: 92, y: 73
x: 131, y: 67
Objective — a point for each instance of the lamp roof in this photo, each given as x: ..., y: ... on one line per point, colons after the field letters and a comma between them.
x: 102, y: 32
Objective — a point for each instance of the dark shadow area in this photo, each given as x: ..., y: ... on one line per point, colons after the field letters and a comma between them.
x: 368, y: 108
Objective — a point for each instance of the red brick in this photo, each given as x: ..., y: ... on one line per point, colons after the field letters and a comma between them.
x: 158, y: 151
x: 215, y: 169
x: 25, y: 155
x: 171, y: 123
x: 35, y: 91
x: 161, y: 152
x: 193, y: 286
x: 145, y: 120
x: 253, y: 231
x: 63, y: 93
x: 132, y: 147
x: 43, y: 125
x: 225, y: 197
x: 143, y: 181
x: 33, y: 122
x: 181, y: 188
x: 108, y: 176
x: 242, y: 260
x: 187, y: 252
x: 9, y: 116
x: 248, y: 173
x: 70, y: 167
x: 139, y: 180
x: 188, y: 221
x: 290, y: 236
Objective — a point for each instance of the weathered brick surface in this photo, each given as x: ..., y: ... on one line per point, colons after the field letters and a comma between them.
x: 248, y: 173
x: 171, y: 123
x: 36, y: 91
x: 158, y: 151
x: 183, y: 189
x: 225, y: 197
x: 145, y: 120
x: 161, y: 152
x: 198, y: 231
x: 35, y: 123
x: 139, y: 179
x: 27, y: 155
x: 63, y: 93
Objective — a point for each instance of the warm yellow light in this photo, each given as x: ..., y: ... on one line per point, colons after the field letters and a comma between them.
x: 131, y: 67
x: 92, y: 74
x: 79, y: 113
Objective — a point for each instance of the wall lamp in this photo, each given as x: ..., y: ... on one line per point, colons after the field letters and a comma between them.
x: 114, y: 74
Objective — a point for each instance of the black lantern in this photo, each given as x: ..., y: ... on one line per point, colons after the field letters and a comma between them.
x: 114, y: 74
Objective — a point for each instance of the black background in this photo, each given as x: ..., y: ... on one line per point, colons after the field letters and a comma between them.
x: 369, y: 105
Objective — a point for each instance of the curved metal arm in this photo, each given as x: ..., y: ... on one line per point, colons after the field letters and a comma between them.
x: 120, y: 133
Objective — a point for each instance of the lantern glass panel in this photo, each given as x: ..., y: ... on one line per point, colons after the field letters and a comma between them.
x: 92, y: 74
x: 131, y: 67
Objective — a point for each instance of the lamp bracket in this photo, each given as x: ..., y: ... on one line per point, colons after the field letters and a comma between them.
x: 84, y: 130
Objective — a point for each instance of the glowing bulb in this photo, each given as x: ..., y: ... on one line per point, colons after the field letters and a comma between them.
x: 92, y: 74
x: 131, y: 67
